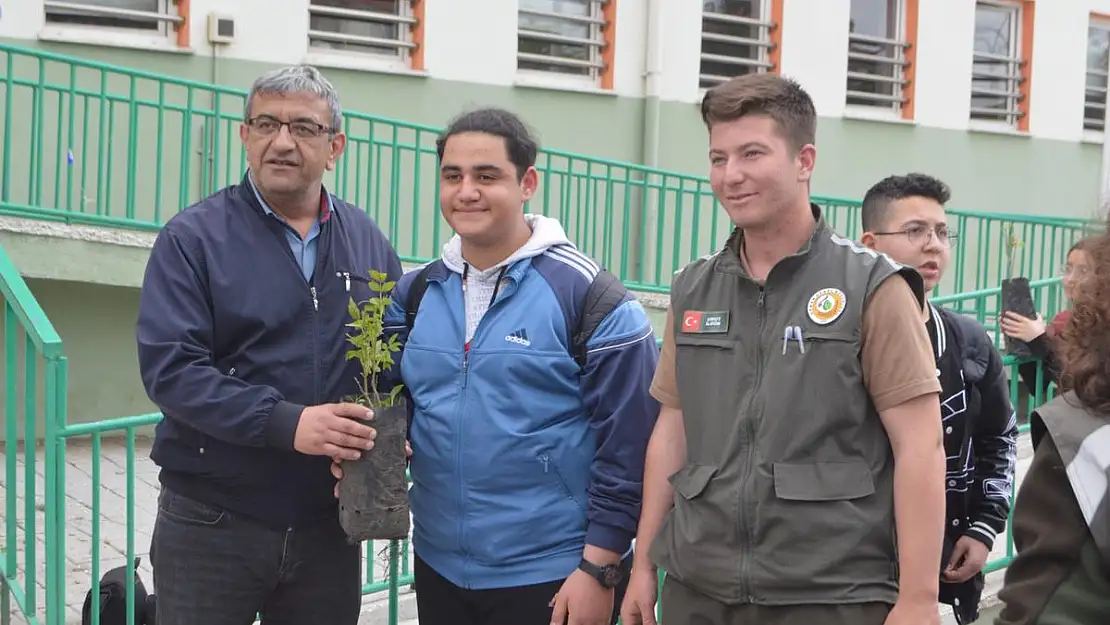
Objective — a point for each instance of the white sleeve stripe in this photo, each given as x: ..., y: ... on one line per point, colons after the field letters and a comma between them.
x: 649, y: 333
x: 577, y: 261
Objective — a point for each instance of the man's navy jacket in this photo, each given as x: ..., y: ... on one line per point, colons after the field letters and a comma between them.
x: 234, y: 343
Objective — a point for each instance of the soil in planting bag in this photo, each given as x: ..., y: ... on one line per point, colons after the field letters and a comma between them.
x: 373, y: 493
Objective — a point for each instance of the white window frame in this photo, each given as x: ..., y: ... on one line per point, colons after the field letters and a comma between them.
x: 166, y: 17
x: 1095, y: 127
x: 762, y: 44
x: 881, y: 105
x: 596, y: 42
x: 991, y: 118
x: 403, y: 45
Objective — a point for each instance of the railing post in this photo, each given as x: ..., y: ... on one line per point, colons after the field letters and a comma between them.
x: 54, y: 469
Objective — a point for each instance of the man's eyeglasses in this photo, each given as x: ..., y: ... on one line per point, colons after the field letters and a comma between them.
x: 920, y: 234
x: 301, y: 129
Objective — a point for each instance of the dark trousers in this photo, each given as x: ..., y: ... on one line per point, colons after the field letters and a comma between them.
x: 216, y: 568
x: 439, y: 602
x: 682, y: 604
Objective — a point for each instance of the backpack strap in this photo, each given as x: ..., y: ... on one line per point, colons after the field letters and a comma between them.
x: 604, y: 294
x: 416, y: 293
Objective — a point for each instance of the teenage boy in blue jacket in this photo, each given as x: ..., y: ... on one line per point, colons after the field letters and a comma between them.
x: 527, y: 464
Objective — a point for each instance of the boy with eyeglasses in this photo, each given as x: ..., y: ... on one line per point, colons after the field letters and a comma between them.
x: 904, y: 218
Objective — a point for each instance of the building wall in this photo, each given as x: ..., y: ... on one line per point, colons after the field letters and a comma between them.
x: 469, y: 59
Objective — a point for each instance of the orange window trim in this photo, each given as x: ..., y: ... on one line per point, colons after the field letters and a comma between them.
x: 416, y: 60
x: 1028, y: 10
x: 609, y: 50
x: 183, y: 26
x: 909, y: 70
x: 774, y: 55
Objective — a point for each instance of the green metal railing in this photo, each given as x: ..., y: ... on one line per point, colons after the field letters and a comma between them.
x: 34, y: 389
x: 92, y: 143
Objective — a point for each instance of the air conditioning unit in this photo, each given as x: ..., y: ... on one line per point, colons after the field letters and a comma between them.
x: 221, y: 28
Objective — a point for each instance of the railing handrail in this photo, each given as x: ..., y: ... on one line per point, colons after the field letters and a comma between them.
x: 991, y: 292
x: 27, y: 309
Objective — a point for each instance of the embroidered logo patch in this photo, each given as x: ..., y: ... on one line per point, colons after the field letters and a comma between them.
x: 702, y: 322
x: 826, y: 305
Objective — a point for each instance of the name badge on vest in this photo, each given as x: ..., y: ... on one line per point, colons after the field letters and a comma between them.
x: 705, y: 322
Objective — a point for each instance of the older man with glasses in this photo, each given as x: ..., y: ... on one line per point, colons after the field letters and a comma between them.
x: 241, y: 338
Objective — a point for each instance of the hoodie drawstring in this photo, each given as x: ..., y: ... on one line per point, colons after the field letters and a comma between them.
x: 496, y: 285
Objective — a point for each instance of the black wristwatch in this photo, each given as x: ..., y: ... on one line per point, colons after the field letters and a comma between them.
x: 608, y: 575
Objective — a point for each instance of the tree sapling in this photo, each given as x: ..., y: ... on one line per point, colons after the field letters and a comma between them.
x: 373, y: 494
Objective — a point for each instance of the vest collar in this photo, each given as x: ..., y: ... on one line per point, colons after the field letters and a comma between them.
x: 729, y: 257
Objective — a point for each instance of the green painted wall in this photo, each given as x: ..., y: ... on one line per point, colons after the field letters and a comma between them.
x: 97, y: 326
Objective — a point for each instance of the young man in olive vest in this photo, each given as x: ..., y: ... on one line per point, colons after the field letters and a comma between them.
x: 903, y: 217
x: 800, y: 425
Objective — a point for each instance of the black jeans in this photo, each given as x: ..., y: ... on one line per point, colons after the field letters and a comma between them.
x: 216, y: 568
x: 439, y: 602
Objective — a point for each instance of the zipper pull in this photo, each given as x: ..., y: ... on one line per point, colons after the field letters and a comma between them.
x: 347, y: 281
x: 801, y: 339
x: 315, y: 302
x: 761, y: 292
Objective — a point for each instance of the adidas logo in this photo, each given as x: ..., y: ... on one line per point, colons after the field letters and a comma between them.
x: 520, y: 336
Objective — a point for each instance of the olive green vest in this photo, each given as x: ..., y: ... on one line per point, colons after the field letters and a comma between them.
x: 1083, y: 440
x: 787, y: 492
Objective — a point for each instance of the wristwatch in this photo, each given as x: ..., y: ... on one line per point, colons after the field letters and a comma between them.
x: 608, y: 575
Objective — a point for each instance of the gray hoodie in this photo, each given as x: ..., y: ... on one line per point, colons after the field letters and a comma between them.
x: 481, y: 287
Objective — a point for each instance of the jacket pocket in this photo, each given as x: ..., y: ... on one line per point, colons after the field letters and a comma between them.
x: 828, y: 337
x: 721, y: 343
x: 699, y: 516
x: 697, y: 541
x: 823, y: 481
x: 691, y: 480
x: 711, y: 375
x: 550, y: 467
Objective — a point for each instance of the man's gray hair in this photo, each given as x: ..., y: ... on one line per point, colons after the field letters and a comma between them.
x: 297, y: 79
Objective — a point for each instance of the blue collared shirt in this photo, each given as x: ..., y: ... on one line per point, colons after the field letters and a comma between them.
x: 303, y: 248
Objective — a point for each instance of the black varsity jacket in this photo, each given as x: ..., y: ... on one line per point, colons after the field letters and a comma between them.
x: 980, y: 438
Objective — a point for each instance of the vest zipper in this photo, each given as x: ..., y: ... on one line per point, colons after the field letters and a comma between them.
x: 747, y: 538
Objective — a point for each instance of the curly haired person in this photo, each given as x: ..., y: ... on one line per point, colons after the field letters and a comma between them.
x: 1061, y: 521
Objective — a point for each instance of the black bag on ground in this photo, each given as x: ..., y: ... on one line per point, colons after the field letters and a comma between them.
x: 113, y: 599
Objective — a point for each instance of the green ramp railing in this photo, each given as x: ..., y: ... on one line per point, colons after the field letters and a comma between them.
x: 87, y: 142
x: 32, y: 566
